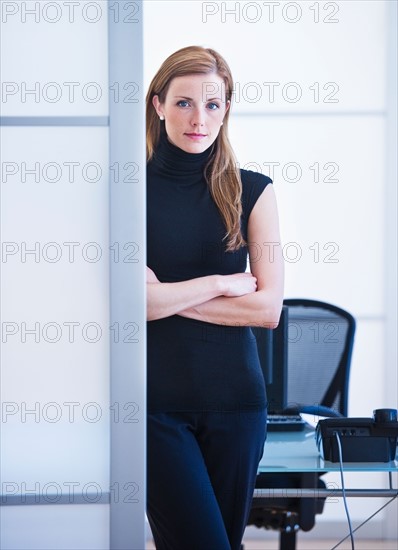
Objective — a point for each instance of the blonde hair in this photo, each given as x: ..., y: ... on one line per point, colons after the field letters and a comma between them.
x: 221, y: 171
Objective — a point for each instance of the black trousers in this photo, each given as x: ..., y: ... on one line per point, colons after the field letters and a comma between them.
x: 201, y: 471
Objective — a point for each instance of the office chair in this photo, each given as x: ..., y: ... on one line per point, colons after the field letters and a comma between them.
x: 319, y: 349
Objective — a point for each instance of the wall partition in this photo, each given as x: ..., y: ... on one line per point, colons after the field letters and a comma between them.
x: 72, y: 263
x: 127, y: 268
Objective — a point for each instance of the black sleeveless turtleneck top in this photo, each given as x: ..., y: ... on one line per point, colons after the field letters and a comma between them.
x: 195, y: 365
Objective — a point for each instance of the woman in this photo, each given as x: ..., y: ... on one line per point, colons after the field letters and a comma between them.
x: 206, y: 396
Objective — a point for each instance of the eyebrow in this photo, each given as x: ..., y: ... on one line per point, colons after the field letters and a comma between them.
x: 190, y: 98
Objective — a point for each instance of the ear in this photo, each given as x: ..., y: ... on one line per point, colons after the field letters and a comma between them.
x: 156, y: 103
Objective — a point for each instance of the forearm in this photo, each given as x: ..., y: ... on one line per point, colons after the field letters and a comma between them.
x: 261, y: 308
x: 166, y: 299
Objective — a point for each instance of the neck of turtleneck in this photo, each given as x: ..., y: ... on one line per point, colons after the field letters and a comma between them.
x: 173, y: 161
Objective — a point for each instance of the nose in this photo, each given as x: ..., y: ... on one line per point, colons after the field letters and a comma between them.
x: 198, y: 118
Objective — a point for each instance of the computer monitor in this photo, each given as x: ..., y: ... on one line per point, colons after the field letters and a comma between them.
x: 272, y: 345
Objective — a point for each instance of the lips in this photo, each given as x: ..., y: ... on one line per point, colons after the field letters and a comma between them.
x: 194, y: 135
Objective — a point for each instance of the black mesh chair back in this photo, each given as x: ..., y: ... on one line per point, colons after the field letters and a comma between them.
x: 320, y: 342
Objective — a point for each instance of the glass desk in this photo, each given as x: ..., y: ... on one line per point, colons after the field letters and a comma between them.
x: 294, y: 456
x: 286, y: 452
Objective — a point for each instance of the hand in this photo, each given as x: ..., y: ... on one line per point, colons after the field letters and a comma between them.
x: 239, y: 284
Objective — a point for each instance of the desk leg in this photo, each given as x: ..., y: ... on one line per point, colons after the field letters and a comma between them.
x: 287, y: 541
x: 306, y: 509
x: 308, y: 506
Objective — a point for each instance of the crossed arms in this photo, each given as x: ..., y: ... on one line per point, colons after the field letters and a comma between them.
x: 240, y: 299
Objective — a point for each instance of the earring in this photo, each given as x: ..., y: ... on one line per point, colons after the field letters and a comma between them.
x: 161, y: 117
x: 222, y: 123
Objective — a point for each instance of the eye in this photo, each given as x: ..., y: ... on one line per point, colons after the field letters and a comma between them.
x: 182, y: 103
x: 213, y: 106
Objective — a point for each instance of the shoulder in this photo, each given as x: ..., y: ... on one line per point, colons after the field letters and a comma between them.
x: 250, y: 178
x: 253, y: 184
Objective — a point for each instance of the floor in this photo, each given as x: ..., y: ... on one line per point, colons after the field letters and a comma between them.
x: 316, y: 545
x: 324, y: 545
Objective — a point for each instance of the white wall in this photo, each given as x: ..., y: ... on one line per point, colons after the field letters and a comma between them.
x: 325, y: 129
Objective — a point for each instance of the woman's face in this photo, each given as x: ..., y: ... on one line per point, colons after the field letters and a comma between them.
x: 193, y: 110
